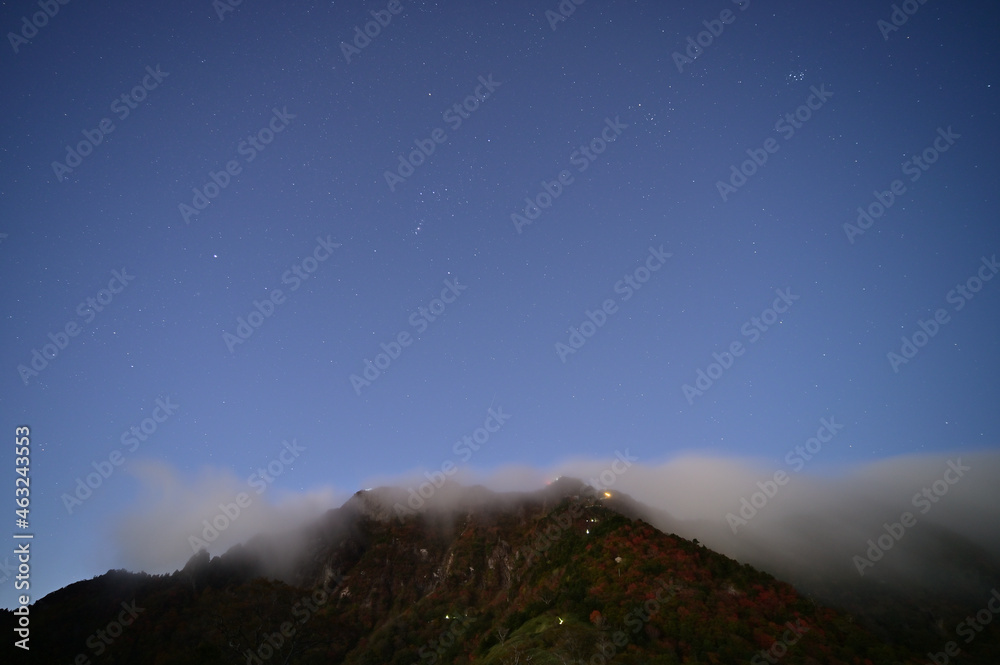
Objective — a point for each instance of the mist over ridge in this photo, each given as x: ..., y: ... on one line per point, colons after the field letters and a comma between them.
x: 807, y: 529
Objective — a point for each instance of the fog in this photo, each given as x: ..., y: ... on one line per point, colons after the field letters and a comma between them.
x: 804, y: 527
x: 813, y: 526
x: 167, y: 524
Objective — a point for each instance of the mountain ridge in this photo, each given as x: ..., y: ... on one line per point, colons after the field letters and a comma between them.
x: 562, y: 574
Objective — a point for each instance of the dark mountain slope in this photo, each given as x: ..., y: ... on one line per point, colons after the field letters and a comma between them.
x: 555, y: 576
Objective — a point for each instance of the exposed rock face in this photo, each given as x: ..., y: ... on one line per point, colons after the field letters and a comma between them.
x: 471, y: 576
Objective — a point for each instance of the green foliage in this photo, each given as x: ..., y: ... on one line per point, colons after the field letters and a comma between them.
x: 473, y: 597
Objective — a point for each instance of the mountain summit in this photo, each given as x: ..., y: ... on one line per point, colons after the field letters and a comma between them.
x: 458, y: 574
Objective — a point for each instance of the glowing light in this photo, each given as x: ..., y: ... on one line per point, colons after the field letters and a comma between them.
x: 607, y: 495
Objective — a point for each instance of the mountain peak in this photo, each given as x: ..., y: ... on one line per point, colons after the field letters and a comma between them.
x: 459, y: 575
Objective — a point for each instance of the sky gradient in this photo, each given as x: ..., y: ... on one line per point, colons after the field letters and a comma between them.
x: 252, y: 244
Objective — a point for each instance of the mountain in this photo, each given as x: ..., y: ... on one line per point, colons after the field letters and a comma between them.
x: 919, y: 601
x: 462, y: 575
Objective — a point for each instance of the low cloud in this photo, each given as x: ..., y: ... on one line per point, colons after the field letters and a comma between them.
x: 809, y: 528
x: 155, y: 535
x: 805, y: 527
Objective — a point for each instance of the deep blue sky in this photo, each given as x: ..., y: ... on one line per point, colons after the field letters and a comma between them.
x: 323, y: 176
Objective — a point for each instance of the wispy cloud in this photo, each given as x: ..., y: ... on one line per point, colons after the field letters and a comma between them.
x: 810, y: 527
x: 155, y: 534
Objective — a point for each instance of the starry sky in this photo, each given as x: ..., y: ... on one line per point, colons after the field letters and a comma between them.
x: 337, y: 238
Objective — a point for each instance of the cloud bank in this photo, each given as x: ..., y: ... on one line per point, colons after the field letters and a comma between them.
x: 173, y: 516
x: 931, y: 518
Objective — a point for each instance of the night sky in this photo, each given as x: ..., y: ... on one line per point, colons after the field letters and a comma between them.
x: 260, y: 236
